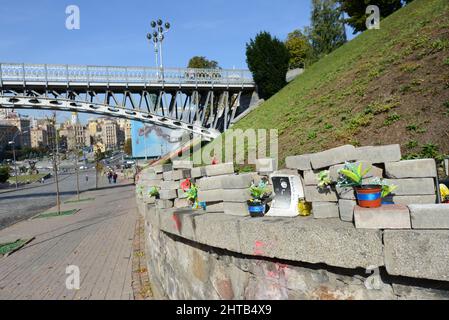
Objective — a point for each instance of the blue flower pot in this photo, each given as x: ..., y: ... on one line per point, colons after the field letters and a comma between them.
x: 257, y: 210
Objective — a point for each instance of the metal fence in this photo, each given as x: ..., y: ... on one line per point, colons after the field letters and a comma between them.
x: 73, y: 73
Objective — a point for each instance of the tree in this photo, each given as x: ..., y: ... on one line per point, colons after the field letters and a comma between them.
x: 327, y: 31
x: 128, y: 148
x: 268, y: 59
x: 299, y: 49
x: 356, y: 10
x: 98, y: 165
x: 4, y: 174
x: 198, y: 62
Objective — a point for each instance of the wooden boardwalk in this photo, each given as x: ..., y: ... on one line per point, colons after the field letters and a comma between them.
x: 98, y: 239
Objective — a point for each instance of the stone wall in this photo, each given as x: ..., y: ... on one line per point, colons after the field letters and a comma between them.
x: 221, y: 253
x: 196, y: 255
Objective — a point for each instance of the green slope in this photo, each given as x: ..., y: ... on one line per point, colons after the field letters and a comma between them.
x: 385, y: 86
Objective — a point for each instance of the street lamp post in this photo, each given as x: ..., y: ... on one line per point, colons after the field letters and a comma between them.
x: 158, y: 36
x: 13, y: 143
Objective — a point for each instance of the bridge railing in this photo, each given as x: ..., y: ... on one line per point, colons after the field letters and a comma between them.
x: 102, y: 74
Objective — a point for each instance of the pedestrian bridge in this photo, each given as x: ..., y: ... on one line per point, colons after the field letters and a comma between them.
x: 202, y: 101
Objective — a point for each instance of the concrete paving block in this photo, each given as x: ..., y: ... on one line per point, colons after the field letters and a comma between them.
x: 149, y: 200
x: 266, y: 165
x: 325, y: 210
x: 164, y: 204
x: 181, y: 174
x: 379, y: 154
x: 421, y: 168
x: 329, y: 241
x: 236, y: 195
x: 345, y: 193
x: 315, y: 194
x: 406, y: 200
x: 214, y: 207
x: 168, y: 194
x: 161, y: 168
x: 198, y: 172
x: 417, y: 186
x: 311, y: 177
x: 417, y: 253
x: 152, y: 183
x: 181, y: 194
x: 210, y: 195
x: 182, y: 203
x: 167, y: 175
x: 332, y: 157
x: 300, y: 162
x: 374, y: 172
x: 240, y: 181
x: 386, y: 217
x: 236, y: 208
x: 219, y: 169
x: 346, y: 208
x: 210, y: 183
x: 429, y: 216
x: 182, y: 164
x: 169, y: 185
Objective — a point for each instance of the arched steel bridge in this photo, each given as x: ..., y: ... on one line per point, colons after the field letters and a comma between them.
x: 202, y: 101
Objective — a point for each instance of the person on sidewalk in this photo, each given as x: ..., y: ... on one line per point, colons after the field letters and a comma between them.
x: 110, y: 177
x: 114, y: 176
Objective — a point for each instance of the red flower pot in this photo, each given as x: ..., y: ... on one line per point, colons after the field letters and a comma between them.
x: 369, y: 196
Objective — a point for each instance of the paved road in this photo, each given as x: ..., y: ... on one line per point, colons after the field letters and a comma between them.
x: 98, y: 240
x: 23, y: 204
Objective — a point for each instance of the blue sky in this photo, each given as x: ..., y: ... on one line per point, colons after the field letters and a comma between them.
x: 113, y: 32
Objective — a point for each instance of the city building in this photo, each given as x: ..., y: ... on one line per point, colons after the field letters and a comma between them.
x: 22, y: 128
x: 38, y: 137
x: 110, y: 133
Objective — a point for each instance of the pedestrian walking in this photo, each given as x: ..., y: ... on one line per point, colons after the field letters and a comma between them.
x: 110, y: 177
x: 114, y: 176
x: 87, y: 178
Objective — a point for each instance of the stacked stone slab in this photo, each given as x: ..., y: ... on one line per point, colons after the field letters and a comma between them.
x: 149, y: 178
x: 415, y: 178
x: 210, y: 188
x: 171, y: 194
x: 236, y: 193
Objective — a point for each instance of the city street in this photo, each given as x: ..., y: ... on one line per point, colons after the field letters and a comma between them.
x: 23, y: 204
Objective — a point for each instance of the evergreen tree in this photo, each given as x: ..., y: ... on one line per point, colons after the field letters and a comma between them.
x: 356, y: 10
x: 327, y: 31
x: 268, y: 59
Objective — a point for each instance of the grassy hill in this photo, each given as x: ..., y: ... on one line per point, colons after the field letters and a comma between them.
x: 385, y: 86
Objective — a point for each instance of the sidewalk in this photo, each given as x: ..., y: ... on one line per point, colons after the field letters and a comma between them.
x: 98, y: 239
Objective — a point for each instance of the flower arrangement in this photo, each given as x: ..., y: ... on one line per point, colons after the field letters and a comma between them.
x: 368, y: 195
x: 259, y: 193
x: 259, y: 197
x: 153, y: 192
x: 324, y: 179
x: 191, y: 191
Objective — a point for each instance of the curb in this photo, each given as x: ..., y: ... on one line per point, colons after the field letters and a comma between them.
x: 139, y: 278
x: 34, y: 187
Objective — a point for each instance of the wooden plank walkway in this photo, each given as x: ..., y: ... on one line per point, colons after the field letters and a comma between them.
x: 98, y: 239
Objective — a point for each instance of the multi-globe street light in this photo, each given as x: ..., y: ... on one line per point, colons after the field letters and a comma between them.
x: 157, y: 36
